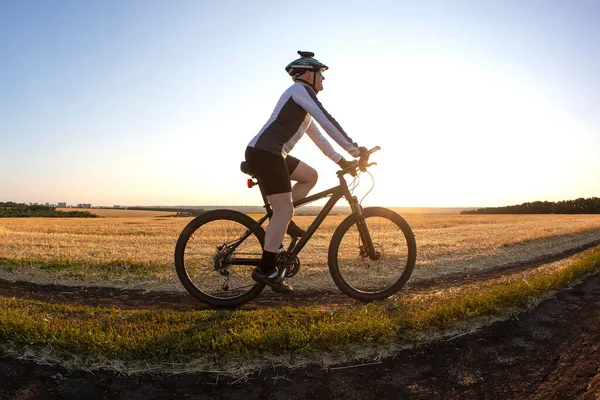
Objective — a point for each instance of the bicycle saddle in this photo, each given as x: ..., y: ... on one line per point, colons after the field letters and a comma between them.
x: 245, y: 167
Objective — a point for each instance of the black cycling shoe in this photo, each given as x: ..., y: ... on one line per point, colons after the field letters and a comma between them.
x: 274, y: 280
x: 294, y: 230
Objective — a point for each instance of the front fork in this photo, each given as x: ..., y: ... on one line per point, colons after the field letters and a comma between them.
x: 367, y: 247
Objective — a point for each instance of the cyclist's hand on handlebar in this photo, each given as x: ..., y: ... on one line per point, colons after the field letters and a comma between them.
x: 364, y: 152
x: 345, y: 164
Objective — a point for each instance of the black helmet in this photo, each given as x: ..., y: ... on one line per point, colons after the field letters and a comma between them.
x: 306, y: 62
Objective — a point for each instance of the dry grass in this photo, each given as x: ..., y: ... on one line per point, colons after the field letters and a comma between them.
x: 241, y: 341
x: 450, y: 244
x: 139, y: 251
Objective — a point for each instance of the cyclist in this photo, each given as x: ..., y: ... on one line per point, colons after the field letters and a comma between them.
x: 267, y: 156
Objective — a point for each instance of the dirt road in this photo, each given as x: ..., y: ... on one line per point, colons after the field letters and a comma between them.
x: 550, y: 352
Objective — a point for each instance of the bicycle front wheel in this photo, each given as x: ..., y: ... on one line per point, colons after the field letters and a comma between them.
x: 361, y: 277
x: 215, y: 255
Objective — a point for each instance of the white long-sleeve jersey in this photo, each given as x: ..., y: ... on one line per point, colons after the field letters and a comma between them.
x: 292, y: 117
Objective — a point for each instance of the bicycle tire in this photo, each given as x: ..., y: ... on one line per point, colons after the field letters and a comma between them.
x: 355, y: 273
x: 197, y: 250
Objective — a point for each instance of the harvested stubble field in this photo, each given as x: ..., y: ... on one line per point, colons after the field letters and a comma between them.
x: 551, y: 351
x: 138, y: 252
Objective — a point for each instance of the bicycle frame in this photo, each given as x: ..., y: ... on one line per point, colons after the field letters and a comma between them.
x: 336, y: 193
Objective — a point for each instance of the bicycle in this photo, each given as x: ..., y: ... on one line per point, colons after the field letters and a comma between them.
x: 372, y: 253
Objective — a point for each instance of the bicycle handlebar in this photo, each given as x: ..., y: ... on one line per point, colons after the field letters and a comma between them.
x: 373, y: 150
x: 362, y: 163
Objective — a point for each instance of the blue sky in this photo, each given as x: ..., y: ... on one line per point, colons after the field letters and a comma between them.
x: 474, y: 103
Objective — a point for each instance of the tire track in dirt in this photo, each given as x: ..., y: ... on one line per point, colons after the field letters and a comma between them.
x: 549, y: 352
x: 142, y: 299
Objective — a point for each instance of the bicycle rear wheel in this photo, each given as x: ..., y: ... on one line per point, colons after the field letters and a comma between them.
x: 355, y: 273
x: 215, y: 255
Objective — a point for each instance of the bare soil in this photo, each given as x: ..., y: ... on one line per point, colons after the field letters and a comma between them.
x: 549, y: 352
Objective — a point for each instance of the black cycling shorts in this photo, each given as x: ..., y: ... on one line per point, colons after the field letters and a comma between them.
x: 272, y: 171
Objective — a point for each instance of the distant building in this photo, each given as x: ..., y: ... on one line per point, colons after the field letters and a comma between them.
x: 86, y: 205
x: 62, y: 205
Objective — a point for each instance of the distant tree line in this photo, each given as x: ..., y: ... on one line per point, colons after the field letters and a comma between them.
x: 21, y: 210
x: 181, y: 211
x: 577, y: 206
